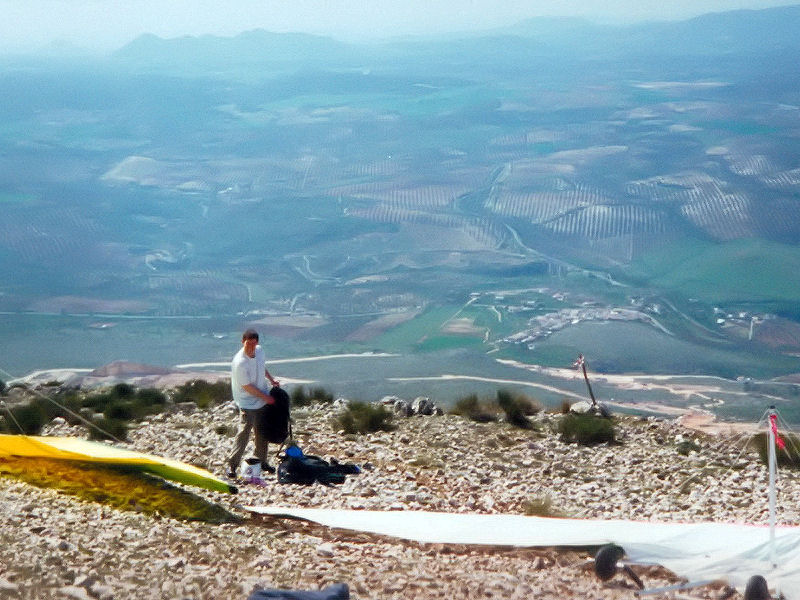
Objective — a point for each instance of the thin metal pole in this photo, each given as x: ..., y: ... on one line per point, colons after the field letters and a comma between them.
x: 588, y: 385
x: 773, y: 471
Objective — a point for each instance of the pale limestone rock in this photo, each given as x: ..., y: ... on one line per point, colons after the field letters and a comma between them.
x: 74, y: 593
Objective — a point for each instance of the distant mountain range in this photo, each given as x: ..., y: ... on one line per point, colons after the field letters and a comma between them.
x: 758, y: 32
x: 246, y: 49
x: 739, y: 31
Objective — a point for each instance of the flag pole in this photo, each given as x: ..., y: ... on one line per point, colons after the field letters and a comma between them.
x: 581, y: 362
x: 772, y: 465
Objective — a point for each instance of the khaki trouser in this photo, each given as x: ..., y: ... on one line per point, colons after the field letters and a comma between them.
x: 247, y: 423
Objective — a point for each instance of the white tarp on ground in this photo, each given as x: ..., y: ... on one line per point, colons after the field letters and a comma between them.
x: 697, y: 551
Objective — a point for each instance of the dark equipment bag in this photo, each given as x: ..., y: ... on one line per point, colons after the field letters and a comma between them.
x: 305, y: 469
x: 273, y: 420
x: 337, y: 591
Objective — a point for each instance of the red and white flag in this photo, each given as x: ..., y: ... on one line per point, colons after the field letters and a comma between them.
x: 773, y: 423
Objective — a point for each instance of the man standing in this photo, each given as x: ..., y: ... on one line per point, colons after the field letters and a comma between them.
x: 249, y: 377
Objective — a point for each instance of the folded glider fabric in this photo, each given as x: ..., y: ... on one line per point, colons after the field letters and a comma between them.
x: 698, y: 551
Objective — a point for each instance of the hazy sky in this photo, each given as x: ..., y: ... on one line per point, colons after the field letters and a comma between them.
x: 109, y: 24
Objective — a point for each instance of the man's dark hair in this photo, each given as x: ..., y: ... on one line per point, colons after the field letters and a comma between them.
x: 250, y: 334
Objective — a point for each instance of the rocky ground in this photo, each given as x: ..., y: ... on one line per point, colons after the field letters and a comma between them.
x: 56, y: 546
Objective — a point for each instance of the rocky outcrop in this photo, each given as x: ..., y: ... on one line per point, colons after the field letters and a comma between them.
x: 421, y: 406
x: 136, y: 374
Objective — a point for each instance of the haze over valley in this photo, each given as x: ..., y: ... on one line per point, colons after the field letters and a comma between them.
x: 466, y: 205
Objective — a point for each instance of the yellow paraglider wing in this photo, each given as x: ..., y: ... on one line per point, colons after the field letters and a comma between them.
x: 72, y: 448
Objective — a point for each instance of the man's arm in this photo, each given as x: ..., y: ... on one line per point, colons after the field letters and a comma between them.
x: 272, y: 380
x: 254, y: 391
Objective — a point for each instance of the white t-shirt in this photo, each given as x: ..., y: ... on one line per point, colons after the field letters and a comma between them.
x: 246, y: 370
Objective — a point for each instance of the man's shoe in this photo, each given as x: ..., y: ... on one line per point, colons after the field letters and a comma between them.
x: 267, y: 468
x: 230, y: 473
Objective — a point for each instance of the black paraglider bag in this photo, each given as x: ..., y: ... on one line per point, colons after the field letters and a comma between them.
x: 273, y: 419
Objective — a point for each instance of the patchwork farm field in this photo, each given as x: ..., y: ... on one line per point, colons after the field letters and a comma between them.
x: 742, y: 271
x: 474, y: 198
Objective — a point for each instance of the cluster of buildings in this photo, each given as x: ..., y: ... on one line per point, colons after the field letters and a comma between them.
x: 543, y: 326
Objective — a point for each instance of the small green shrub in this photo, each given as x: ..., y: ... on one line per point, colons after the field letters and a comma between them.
x: 48, y: 408
x: 586, y: 430
x: 121, y: 410
x: 320, y: 395
x: 2, y: 387
x: 148, y: 401
x: 225, y: 430
x: 687, y: 446
x: 474, y: 409
x: 789, y: 456
x: 517, y: 408
x: 299, y: 397
x: 70, y: 400
x: 203, y: 393
x: 150, y: 397
x: 97, y: 401
x: 122, y: 402
x: 123, y: 390
x: 315, y: 395
x: 362, y: 417
x: 30, y: 418
x: 33, y: 415
x: 540, y: 507
x: 109, y: 429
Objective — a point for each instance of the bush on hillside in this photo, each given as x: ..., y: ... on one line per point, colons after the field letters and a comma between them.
x: 686, y: 447
x: 362, y: 417
x: 123, y: 390
x: 475, y: 409
x: 299, y: 397
x: 109, y: 429
x: 789, y: 456
x: 124, y: 402
x: 39, y: 411
x: 321, y: 395
x: 518, y: 407
x: 57, y: 404
x: 121, y: 410
x: 203, y: 393
x: 25, y: 418
x: 97, y: 401
x: 315, y: 395
x: 2, y: 387
x: 67, y: 404
x: 540, y: 507
x: 150, y: 397
x: 586, y: 430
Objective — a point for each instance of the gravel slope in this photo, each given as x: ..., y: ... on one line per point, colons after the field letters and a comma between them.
x: 57, y: 546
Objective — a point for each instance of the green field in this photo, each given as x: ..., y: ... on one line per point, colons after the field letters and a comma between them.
x: 411, y: 334
x: 746, y: 270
